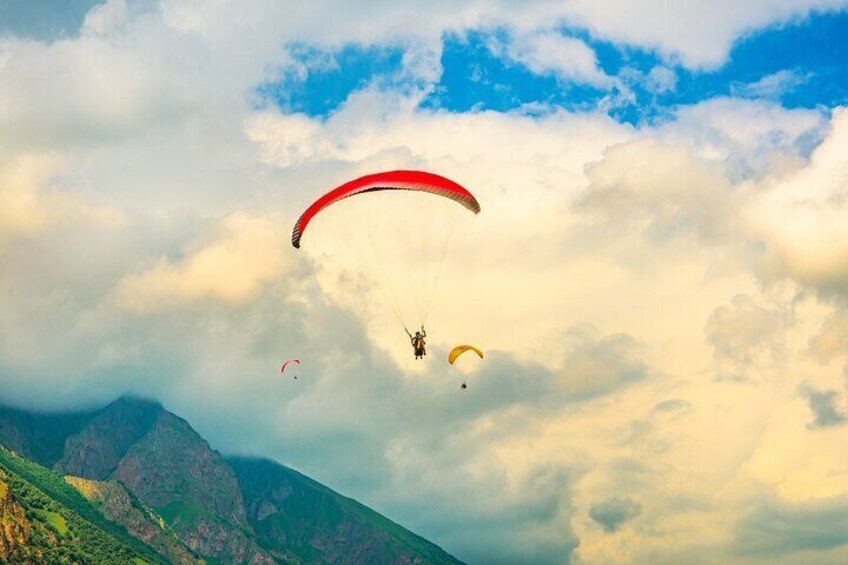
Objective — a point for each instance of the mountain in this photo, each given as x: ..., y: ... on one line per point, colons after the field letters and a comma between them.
x: 148, y: 470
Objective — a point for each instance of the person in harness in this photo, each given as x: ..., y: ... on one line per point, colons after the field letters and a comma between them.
x: 418, y: 343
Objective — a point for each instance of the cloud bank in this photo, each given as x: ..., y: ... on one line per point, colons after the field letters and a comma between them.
x: 650, y: 298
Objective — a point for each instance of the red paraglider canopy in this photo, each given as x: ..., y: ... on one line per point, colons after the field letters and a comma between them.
x: 391, y: 180
x: 283, y: 368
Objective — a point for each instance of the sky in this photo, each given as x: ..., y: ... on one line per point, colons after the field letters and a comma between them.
x: 658, y: 276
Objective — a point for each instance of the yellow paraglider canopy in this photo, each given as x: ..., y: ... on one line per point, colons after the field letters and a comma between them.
x: 460, y: 349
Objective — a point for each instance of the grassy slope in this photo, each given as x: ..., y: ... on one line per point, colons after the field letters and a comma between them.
x: 59, y: 505
x: 56, y: 521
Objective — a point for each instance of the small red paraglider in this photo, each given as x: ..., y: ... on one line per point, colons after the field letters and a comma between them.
x: 283, y: 368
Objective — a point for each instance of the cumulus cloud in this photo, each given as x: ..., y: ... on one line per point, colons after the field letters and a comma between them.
x: 753, y: 139
x: 801, y: 217
x: 552, y: 53
x: 105, y: 18
x: 612, y: 513
x: 770, y: 86
x: 745, y: 330
x: 34, y: 199
x: 249, y: 252
x: 659, y: 191
x: 699, y: 34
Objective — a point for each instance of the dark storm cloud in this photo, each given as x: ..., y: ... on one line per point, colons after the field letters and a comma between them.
x: 776, y: 528
x: 823, y: 404
x: 612, y: 513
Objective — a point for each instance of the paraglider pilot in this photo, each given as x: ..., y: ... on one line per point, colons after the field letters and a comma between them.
x: 418, y: 343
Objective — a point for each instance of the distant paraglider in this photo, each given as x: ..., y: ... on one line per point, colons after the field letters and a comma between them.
x: 459, y: 350
x: 287, y: 363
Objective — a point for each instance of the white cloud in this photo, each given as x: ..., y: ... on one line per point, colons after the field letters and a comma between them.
x: 745, y: 330
x: 551, y: 53
x: 770, y: 86
x: 251, y: 251
x: 699, y: 33
x: 105, y: 18
x: 803, y: 217
x: 744, y: 125
x: 34, y: 199
x: 661, y: 80
x: 751, y: 139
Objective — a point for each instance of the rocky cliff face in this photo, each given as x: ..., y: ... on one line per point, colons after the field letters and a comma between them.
x: 173, y: 463
x: 95, y: 451
x: 14, y: 527
x: 173, y: 470
x: 119, y: 505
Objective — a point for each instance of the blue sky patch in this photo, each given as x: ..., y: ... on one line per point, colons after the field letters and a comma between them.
x: 323, y: 80
x: 798, y: 65
x: 801, y: 65
x: 45, y: 19
x: 475, y: 78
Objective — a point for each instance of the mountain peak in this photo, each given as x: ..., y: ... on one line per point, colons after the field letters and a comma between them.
x: 96, y: 449
x: 135, y: 401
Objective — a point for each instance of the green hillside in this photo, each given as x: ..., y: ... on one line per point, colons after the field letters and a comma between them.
x: 56, y: 525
